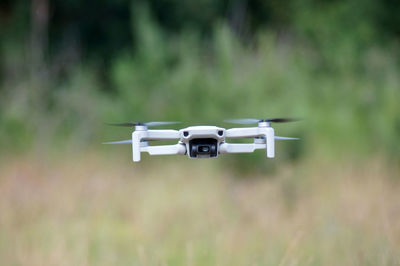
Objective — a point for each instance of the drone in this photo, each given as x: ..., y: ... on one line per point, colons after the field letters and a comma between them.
x: 203, y: 141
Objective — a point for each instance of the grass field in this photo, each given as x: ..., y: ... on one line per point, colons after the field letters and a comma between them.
x: 68, y: 67
x: 87, y: 210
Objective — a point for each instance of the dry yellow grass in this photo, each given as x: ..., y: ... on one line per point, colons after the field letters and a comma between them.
x: 90, y: 211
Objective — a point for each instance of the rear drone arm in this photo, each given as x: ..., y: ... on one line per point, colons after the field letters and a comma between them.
x: 244, y: 132
x: 163, y: 134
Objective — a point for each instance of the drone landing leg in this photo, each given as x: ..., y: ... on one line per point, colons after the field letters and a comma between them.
x: 270, y: 137
x: 136, y: 139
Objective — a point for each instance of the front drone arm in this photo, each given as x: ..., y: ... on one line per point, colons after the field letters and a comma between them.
x: 254, y: 132
x: 240, y: 148
x: 165, y: 149
x: 142, y: 135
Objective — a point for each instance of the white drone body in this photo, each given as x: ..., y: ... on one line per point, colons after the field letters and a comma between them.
x: 201, y: 141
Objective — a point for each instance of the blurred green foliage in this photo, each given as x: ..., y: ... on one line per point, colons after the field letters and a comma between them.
x: 78, y: 64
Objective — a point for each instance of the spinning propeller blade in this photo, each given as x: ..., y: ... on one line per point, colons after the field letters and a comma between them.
x: 249, y: 121
x: 282, y: 120
x: 285, y: 138
x: 149, y: 124
x: 243, y: 121
x: 129, y: 141
x: 160, y: 123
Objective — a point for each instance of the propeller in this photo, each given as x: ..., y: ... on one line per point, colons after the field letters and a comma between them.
x: 248, y: 121
x: 148, y: 124
x: 285, y: 138
x: 129, y: 141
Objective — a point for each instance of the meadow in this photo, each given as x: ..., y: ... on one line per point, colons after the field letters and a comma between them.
x: 100, y: 210
x: 332, y: 198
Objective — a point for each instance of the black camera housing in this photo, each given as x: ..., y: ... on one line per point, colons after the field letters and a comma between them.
x: 204, y: 148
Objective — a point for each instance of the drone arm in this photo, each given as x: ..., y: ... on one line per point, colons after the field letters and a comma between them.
x: 243, y: 132
x: 164, y: 149
x: 164, y: 134
x: 253, y: 132
x: 240, y: 148
x: 139, y: 135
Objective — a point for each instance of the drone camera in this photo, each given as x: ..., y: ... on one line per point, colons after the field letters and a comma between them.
x: 203, y: 148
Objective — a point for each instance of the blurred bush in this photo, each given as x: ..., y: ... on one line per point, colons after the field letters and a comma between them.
x: 335, y: 64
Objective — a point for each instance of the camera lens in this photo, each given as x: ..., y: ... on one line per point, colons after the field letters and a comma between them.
x: 203, y: 149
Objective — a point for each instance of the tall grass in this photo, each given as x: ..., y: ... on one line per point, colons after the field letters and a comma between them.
x: 88, y: 210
